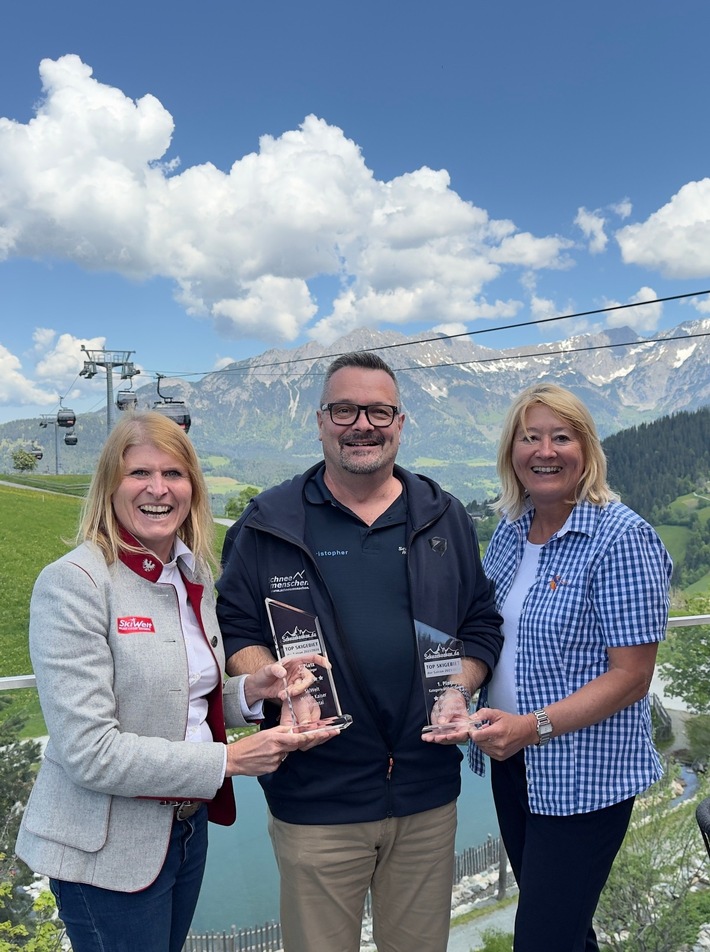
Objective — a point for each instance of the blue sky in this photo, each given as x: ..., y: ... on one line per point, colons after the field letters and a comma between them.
x: 201, y: 182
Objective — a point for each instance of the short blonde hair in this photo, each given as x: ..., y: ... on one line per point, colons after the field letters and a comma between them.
x: 592, y: 485
x: 98, y: 520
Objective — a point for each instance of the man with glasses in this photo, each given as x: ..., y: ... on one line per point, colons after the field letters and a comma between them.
x: 369, y: 548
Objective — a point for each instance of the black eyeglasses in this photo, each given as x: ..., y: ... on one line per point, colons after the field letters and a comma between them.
x: 345, y: 414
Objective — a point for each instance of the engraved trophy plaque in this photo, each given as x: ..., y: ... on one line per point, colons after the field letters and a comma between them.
x: 296, y: 633
x: 440, y: 660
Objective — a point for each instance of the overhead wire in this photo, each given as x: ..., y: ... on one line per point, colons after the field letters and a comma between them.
x: 251, y: 363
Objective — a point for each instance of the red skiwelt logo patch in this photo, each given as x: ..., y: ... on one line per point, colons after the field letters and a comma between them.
x: 134, y: 625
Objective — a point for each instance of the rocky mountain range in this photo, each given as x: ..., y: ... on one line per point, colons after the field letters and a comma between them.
x: 254, y: 420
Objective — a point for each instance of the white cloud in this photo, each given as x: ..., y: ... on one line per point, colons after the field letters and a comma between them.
x: 592, y: 226
x: 543, y: 308
x: 623, y: 208
x: 642, y: 319
x: 281, y: 303
x: 675, y: 240
x: 15, y: 388
x: 62, y: 360
x: 88, y: 180
x: 43, y: 338
x: 57, y: 360
x: 500, y: 309
x: 450, y: 329
x: 702, y: 305
x: 528, y: 251
x: 593, y: 223
x: 223, y: 362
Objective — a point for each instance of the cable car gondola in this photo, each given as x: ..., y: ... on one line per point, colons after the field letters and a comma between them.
x: 70, y: 437
x: 175, y: 410
x: 66, y: 418
x: 35, y: 451
x: 126, y: 399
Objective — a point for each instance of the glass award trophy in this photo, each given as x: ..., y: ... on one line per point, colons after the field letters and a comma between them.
x: 440, y: 661
x: 297, y: 633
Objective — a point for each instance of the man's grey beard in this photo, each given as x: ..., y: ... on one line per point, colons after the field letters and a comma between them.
x: 362, y: 467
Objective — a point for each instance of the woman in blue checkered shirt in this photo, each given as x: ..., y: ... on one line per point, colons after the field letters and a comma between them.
x: 582, y: 583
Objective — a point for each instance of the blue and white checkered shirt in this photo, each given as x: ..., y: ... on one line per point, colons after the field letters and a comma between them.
x: 602, y: 582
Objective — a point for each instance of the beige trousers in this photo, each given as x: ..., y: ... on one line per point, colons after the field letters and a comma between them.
x: 325, y: 871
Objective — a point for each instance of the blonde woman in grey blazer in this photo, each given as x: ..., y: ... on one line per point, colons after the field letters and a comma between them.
x: 128, y: 659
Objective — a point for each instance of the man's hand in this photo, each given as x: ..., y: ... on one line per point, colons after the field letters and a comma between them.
x: 449, y: 718
x: 299, y: 710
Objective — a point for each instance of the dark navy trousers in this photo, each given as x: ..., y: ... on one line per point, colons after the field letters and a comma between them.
x: 560, y: 863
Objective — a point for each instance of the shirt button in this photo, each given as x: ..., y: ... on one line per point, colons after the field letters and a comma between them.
x: 213, y: 642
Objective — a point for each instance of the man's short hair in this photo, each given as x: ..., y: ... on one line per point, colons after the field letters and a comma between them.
x: 363, y: 360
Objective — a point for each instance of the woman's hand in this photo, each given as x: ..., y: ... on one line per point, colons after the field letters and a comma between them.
x: 264, y: 751
x: 274, y: 680
x: 501, y: 734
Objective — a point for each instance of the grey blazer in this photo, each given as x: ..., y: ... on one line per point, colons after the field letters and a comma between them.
x: 108, y: 654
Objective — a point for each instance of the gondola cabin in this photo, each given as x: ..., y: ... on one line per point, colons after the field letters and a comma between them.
x: 66, y: 418
x: 175, y: 410
x: 126, y: 400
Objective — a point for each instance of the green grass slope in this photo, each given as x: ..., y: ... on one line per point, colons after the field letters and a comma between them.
x: 36, y: 527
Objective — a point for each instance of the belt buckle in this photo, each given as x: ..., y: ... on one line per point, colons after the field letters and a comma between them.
x: 186, y: 809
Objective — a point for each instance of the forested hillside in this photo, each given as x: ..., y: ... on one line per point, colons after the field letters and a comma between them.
x: 652, y: 464
x: 662, y: 470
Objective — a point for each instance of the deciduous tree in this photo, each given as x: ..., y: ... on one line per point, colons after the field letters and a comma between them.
x: 684, y: 661
x: 237, y: 504
x: 24, y: 461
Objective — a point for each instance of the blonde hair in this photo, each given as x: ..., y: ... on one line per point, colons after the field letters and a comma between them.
x: 98, y: 520
x: 592, y: 485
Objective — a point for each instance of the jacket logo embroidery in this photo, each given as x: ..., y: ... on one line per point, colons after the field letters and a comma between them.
x: 289, y: 583
x: 438, y: 544
x: 133, y: 625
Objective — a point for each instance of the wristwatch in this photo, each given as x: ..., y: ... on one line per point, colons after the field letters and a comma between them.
x: 462, y: 689
x: 544, y: 728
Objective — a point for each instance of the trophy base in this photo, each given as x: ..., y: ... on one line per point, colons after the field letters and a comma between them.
x: 454, y: 727
x: 338, y: 722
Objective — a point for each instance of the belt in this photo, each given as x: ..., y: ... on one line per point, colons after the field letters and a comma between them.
x: 184, y: 809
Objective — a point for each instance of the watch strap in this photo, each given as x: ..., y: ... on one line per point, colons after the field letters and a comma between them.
x: 544, y: 727
x: 462, y: 689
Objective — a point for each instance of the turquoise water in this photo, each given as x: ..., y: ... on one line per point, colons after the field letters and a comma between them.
x: 241, y: 881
